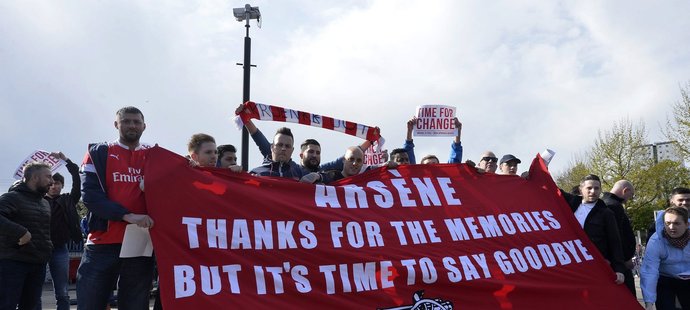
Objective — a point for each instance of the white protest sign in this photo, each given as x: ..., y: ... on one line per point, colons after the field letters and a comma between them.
x: 372, y: 157
x: 42, y: 157
x: 435, y: 121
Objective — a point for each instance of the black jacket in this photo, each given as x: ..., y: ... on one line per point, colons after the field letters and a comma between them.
x: 64, y: 224
x: 22, y: 210
x: 625, y: 230
x: 602, y: 230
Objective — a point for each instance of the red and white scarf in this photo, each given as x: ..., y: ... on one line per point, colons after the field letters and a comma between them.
x: 266, y: 112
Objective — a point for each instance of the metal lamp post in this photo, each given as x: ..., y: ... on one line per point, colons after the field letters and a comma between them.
x: 246, y: 13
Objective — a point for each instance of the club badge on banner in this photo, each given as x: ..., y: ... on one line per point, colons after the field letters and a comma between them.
x: 38, y: 156
x: 435, y: 121
x: 414, y: 237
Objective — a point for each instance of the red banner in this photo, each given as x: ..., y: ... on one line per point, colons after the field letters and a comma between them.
x: 417, y: 237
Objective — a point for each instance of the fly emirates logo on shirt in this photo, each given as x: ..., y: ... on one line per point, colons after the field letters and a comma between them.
x: 132, y: 175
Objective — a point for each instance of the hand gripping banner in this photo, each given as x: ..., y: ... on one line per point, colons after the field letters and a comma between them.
x: 415, y: 237
x: 266, y: 112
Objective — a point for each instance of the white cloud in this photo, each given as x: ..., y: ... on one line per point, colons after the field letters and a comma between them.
x: 524, y: 75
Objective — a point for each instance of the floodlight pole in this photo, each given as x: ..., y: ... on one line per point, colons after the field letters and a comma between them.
x: 245, y: 91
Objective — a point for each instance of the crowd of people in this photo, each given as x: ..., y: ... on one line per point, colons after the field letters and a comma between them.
x: 37, y: 220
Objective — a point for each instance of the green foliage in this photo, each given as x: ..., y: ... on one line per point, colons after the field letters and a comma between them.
x: 678, y: 128
x: 652, y: 189
x: 571, y: 177
x: 641, y: 216
x: 617, y: 153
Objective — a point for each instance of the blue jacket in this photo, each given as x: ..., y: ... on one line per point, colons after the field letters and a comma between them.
x: 455, y: 153
x: 408, y: 146
x: 662, y: 259
x: 94, y: 192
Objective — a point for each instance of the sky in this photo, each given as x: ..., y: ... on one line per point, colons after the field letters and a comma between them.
x: 523, y: 75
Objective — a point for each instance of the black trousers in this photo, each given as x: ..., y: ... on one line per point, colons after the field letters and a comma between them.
x: 668, y: 289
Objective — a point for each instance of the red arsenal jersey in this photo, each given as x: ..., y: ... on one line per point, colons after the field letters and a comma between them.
x: 124, y: 171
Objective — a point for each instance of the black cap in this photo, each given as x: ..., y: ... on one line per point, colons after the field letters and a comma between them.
x: 508, y: 157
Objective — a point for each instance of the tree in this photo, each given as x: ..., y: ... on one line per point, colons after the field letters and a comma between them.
x: 572, y: 176
x: 652, y: 189
x: 678, y: 129
x: 618, y: 152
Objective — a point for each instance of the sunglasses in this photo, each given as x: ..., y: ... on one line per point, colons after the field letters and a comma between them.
x: 488, y: 158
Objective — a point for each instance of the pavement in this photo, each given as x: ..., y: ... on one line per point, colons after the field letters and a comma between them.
x: 49, y: 297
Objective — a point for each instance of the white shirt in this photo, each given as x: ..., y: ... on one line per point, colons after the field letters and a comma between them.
x: 582, y: 212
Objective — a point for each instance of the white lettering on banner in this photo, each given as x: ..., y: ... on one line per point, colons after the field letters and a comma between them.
x: 184, y: 281
x: 355, y: 234
x: 418, y: 231
x: 426, y: 266
x: 369, y: 276
x: 467, y: 228
x: 210, y: 280
x: 469, y: 270
x: 356, y: 197
x: 216, y: 231
x: 192, y: 223
x: 548, y: 255
x: 211, y: 284
x: 241, y: 237
x: 384, y: 199
x: 364, y: 276
x: 297, y: 273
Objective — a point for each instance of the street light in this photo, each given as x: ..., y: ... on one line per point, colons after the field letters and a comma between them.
x: 246, y: 13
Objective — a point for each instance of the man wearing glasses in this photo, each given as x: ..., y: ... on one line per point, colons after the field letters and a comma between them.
x: 488, y: 162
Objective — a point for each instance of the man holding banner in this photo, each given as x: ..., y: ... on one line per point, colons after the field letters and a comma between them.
x: 111, y: 175
x: 599, y: 222
x: 202, y: 150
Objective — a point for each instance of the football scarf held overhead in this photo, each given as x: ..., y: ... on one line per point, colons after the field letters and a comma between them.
x: 266, y: 112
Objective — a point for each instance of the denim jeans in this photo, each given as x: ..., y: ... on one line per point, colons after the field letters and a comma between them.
x: 59, y: 272
x: 21, y: 283
x: 98, y: 272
